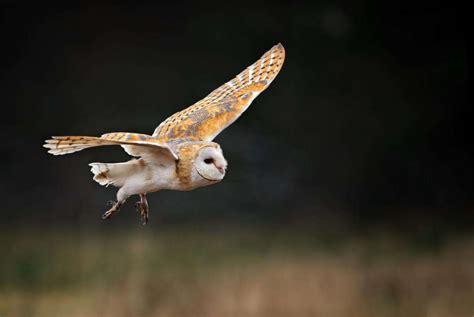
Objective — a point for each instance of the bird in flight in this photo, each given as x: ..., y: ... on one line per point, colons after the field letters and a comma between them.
x: 180, y: 154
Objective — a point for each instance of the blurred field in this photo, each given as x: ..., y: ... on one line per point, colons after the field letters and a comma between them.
x: 157, y: 271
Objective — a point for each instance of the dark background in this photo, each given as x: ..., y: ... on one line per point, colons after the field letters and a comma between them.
x: 368, y: 123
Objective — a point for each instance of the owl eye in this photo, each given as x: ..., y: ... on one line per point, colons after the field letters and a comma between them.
x: 208, y: 160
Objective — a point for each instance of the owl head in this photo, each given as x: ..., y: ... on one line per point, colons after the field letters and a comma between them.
x: 201, y: 164
x: 210, y: 163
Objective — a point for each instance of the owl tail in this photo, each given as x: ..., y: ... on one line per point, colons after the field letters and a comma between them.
x: 101, y: 173
x: 60, y: 145
x: 115, y: 173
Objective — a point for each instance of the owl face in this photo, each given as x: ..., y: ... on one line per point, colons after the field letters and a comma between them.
x: 210, y: 164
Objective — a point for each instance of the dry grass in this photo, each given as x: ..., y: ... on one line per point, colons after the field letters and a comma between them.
x: 232, y: 274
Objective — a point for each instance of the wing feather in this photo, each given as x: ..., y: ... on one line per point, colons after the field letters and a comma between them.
x: 134, y: 144
x: 204, y: 120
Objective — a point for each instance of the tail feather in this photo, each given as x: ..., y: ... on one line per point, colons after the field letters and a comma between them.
x: 115, y: 173
x: 60, y: 145
x: 100, y: 171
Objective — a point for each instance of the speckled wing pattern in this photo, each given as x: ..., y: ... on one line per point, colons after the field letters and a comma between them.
x: 135, y: 144
x: 204, y: 120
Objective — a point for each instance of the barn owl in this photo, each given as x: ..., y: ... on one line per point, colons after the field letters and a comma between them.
x: 180, y: 154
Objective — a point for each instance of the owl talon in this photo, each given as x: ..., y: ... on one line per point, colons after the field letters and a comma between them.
x: 143, y: 212
x: 109, y: 213
x: 142, y: 208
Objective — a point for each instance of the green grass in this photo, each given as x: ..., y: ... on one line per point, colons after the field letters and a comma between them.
x: 230, y: 272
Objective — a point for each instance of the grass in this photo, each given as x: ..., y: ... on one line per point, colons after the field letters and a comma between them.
x: 229, y: 272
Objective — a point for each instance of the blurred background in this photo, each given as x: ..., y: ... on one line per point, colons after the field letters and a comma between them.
x: 350, y: 183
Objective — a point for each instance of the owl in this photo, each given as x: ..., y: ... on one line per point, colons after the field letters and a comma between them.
x: 180, y: 154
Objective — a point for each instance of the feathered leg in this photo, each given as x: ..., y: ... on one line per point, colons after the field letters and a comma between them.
x: 142, y: 208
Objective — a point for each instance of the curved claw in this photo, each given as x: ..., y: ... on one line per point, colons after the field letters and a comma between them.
x: 109, y: 213
x: 142, y: 208
x: 145, y: 219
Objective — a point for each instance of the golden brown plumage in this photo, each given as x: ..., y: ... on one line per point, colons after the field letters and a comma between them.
x: 60, y: 145
x: 187, y: 155
x: 209, y: 116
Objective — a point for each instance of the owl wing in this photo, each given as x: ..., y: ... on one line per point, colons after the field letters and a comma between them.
x: 134, y: 144
x: 204, y: 120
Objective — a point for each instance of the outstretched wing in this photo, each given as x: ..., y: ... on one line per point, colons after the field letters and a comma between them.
x: 204, y: 120
x: 134, y: 144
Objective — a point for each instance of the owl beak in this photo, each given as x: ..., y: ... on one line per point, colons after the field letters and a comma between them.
x: 221, y: 169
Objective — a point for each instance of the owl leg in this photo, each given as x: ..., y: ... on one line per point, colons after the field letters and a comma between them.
x: 142, y: 208
x: 121, y: 197
x: 115, y: 208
